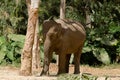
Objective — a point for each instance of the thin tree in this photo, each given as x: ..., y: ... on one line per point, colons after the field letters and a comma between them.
x: 26, y: 56
x: 36, y: 51
x: 62, y: 15
x: 62, y: 9
x: 87, y: 13
x: 36, y: 48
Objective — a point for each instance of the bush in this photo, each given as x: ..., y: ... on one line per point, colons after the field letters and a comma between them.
x: 10, y: 49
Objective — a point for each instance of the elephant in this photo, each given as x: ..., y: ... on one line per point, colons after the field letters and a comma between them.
x: 64, y: 37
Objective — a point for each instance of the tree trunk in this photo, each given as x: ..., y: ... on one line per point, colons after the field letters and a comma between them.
x: 36, y: 51
x: 28, y: 3
x: 26, y: 56
x: 36, y: 48
x: 62, y: 9
x: 62, y: 16
x: 87, y: 13
x: 88, y: 19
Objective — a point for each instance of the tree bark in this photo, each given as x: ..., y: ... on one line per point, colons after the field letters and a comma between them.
x: 36, y: 48
x: 36, y: 51
x: 88, y: 19
x: 62, y: 9
x: 87, y: 13
x: 26, y: 56
x: 28, y: 3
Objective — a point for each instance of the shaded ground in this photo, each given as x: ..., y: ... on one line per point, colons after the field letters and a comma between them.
x: 113, y: 71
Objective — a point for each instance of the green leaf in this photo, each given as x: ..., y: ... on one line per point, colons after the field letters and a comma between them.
x: 18, y: 50
x: 76, y: 77
x: 118, y: 49
x: 102, y: 55
x: 114, y: 42
x: 17, y: 44
x: 41, y: 53
x: 114, y: 28
x: 86, y: 49
x: 2, y: 40
x: 10, y: 55
x: 16, y: 62
x: 106, y: 41
x: 16, y: 37
x: 2, y: 55
x: 3, y: 48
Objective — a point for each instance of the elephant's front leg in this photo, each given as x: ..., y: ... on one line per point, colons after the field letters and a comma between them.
x: 47, y: 60
x: 47, y: 57
x: 62, y: 64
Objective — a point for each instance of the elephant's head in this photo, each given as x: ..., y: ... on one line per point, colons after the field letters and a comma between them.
x: 52, y: 30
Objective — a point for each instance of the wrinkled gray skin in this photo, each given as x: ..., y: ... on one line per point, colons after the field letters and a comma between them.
x: 63, y: 37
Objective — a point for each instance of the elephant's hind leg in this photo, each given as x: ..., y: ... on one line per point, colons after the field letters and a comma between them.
x: 62, y: 64
x: 77, y: 56
x: 67, y: 62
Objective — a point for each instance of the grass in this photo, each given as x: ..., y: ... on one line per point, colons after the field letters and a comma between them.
x: 76, y: 77
x: 111, y: 66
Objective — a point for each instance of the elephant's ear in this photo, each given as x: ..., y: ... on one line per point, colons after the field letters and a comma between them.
x: 61, y: 31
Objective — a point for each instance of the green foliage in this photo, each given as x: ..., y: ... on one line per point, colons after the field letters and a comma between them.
x: 72, y: 13
x: 102, y: 55
x: 48, y: 9
x: 10, y: 48
x: 17, y: 38
x: 3, y: 48
x: 41, y: 53
x: 76, y: 77
x: 2, y: 53
x: 12, y: 16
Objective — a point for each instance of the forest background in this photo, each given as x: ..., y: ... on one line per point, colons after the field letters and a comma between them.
x: 102, y: 46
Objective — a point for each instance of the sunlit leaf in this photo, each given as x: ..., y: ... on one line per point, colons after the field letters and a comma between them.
x: 86, y: 49
x: 10, y: 55
x: 108, y: 42
x: 16, y: 37
x: 102, y: 55
x: 2, y: 40
x: 2, y: 55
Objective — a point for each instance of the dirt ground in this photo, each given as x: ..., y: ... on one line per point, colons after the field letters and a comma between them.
x: 12, y: 73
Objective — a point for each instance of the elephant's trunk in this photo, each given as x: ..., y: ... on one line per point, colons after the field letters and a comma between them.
x: 47, y: 56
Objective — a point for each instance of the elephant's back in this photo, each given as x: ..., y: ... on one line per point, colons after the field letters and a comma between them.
x: 72, y: 28
x: 74, y: 35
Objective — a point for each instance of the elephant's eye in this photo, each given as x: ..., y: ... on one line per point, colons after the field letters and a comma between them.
x: 52, y: 36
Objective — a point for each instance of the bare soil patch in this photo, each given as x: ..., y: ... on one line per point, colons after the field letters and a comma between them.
x: 12, y: 73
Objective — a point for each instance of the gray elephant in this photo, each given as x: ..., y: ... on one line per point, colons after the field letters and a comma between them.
x: 63, y: 37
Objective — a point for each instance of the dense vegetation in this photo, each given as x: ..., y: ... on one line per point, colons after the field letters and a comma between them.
x: 103, y: 37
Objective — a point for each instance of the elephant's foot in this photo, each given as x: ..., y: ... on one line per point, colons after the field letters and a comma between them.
x: 43, y: 73
x: 61, y: 72
x: 77, y: 72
